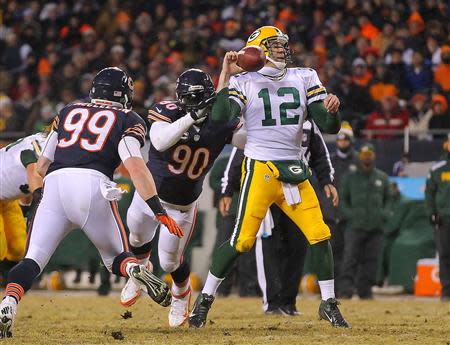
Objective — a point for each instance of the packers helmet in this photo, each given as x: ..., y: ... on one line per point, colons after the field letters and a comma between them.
x: 266, y: 37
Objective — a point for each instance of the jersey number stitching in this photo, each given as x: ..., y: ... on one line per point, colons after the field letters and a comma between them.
x: 183, y: 154
x: 79, y: 119
x: 284, y: 107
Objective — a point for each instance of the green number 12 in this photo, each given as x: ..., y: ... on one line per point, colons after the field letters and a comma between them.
x: 285, y: 120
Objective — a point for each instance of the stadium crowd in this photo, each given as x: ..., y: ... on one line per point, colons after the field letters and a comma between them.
x: 388, y: 61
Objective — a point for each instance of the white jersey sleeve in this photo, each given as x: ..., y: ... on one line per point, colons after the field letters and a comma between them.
x: 237, y: 92
x: 315, y: 91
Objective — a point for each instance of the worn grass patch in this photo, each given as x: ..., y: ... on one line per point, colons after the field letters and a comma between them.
x: 66, y: 318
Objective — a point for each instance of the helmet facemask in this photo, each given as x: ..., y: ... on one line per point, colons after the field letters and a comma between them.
x: 270, y: 43
x: 196, y: 100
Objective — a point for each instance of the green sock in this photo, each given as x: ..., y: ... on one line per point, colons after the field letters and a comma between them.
x: 322, y: 260
x: 223, y: 259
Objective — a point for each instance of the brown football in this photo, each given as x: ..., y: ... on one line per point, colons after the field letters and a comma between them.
x: 251, y: 58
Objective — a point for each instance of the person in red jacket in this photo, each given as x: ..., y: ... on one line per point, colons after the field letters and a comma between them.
x: 389, y: 117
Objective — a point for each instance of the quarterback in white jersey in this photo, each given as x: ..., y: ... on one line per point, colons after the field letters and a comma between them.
x: 18, y: 179
x: 273, y: 136
x: 275, y: 102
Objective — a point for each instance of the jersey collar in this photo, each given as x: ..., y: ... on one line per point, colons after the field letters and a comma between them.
x: 272, y: 73
x: 108, y: 103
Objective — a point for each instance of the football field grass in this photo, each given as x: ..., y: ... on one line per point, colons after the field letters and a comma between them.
x: 68, y: 318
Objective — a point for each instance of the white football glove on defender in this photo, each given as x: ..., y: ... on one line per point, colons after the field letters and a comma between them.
x: 204, y: 110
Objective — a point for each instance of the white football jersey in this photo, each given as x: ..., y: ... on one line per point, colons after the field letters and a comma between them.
x: 274, y: 109
x: 13, y: 161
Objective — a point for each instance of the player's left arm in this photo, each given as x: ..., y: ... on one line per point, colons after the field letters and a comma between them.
x: 323, y: 107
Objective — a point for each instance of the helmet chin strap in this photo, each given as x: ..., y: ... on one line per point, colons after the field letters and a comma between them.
x: 278, y: 64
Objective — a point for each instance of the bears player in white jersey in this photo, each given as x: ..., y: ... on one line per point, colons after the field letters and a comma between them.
x: 18, y: 180
x: 78, y: 161
x: 274, y: 103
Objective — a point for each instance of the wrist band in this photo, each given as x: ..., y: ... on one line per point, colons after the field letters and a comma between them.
x: 155, y: 205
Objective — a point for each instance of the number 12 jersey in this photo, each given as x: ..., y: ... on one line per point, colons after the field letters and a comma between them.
x: 274, y: 109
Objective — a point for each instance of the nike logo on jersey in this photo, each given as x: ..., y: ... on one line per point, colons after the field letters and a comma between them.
x: 158, y: 110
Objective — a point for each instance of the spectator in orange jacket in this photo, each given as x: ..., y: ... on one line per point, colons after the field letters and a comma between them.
x: 442, y: 72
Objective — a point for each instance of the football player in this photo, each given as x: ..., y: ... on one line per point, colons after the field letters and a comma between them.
x: 184, y: 144
x: 274, y: 103
x: 18, y: 180
x: 78, y: 161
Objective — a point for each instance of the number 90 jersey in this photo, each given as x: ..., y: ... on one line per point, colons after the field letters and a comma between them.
x: 274, y: 109
x: 89, y: 135
x: 180, y: 170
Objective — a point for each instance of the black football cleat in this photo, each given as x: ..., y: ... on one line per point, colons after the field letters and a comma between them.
x: 199, y: 312
x: 157, y: 289
x: 329, y: 311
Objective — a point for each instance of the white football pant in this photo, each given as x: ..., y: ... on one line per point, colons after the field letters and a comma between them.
x: 72, y: 199
x: 142, y: 226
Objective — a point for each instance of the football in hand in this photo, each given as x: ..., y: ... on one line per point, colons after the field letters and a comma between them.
x: 251, y: 58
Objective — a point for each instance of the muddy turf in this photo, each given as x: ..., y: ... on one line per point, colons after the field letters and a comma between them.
x: 74, y: 318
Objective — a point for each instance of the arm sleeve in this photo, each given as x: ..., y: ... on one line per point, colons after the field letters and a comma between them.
x: 50, y: 146
x: 135, y: 127
x: 27, y: 157
x: 315, y: 94
x: 221, y: 109
x: 164, y: 135
x: 329, y: 123
x: 232, y: 174
x: 129, y: 147
x: 320, y: 161
x: 430, y: 193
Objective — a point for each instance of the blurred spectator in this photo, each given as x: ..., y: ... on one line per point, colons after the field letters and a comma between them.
x: 440, y: 114
x: 418, y: 75
x: 231, y: 41
x: 442, y: 71
x: 45, y: 47
x: 389, y: 117
x: 366, y: 214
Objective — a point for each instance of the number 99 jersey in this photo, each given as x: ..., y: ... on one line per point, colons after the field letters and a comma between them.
x: 179, y: 171
x: 89, y: 135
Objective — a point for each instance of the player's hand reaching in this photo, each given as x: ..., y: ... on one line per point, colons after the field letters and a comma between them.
x: 203, y: 111
x: 170, y: 224
x: 331, y: 192
x: 229, y: 65
x: 224, y: 206
x: 331, y: 103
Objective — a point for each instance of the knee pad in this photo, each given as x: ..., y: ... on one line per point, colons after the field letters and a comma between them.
x: 168, y: 262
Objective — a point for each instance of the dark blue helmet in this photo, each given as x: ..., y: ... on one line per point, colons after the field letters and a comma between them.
x: 113, y: 84
x: 195, y: 89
